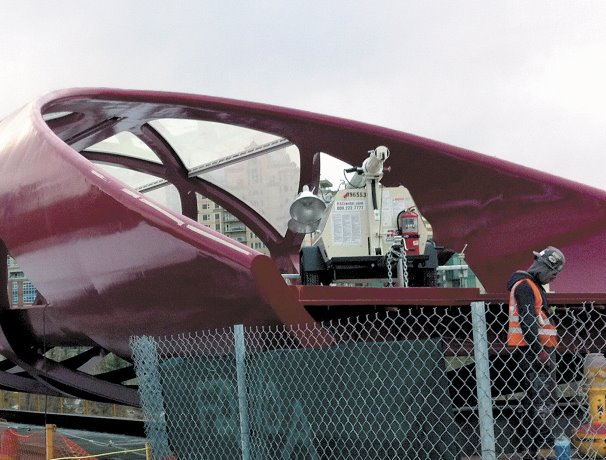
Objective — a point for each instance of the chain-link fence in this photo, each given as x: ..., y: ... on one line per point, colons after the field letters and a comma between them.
x: 410, y: 383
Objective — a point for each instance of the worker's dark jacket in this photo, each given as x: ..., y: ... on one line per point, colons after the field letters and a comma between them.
x: 527, y: 309
x: 536, y: 379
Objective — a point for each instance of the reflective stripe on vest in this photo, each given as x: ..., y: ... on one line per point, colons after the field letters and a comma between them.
x: 548, y: 335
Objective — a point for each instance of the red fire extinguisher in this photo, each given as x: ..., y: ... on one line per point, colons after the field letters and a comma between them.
x: 408, y: 227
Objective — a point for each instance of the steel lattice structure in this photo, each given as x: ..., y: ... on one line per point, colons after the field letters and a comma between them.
x: 110, y: 263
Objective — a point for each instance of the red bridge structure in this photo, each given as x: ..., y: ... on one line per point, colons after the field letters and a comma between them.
x: 110, y: 262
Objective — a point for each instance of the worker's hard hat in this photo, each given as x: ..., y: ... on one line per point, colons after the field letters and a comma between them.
x: 552, y: 257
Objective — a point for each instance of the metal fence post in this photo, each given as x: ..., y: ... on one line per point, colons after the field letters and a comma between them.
x: 50, y: 441
x: 147, y: 366
x: 480, y: 350
x: 240, y: 346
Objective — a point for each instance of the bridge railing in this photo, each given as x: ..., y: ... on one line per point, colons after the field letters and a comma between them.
x: 415, y: 382
x: 29, y: 402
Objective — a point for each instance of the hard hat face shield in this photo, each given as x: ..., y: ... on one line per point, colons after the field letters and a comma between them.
x: 552, y: 257
x: 557, y: 269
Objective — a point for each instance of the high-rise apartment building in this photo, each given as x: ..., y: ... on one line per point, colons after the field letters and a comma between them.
x: 21, y: 291
x: 267, y: 183
x: 214, y: 216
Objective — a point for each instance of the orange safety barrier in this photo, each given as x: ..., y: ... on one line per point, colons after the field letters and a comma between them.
x: 8, y: 445
x: 18, y: 446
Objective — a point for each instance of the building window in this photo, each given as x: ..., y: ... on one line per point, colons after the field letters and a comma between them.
x: 29, y: 292
x: 255, y: 175
x: 217, y: 216
x: 205, y: 217
x: 11, y: 261
x: 205, y: 206
x: 218, y: 227
x: 15, y: 293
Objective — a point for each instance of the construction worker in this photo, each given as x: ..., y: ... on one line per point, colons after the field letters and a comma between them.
x: 532, y: 335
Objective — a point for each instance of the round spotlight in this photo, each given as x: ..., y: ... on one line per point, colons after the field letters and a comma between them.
x: 307, y: 207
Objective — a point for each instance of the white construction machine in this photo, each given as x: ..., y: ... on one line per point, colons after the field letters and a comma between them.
x: 368, y: 233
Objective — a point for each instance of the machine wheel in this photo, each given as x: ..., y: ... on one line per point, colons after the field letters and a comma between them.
x: 326, y: 277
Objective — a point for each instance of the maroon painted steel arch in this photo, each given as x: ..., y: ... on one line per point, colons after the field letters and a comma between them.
x: 110, y: 264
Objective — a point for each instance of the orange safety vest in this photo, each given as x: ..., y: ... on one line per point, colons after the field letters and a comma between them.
x: 548, y: 335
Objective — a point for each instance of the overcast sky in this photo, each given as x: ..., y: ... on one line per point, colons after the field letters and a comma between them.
x: 520, y: 80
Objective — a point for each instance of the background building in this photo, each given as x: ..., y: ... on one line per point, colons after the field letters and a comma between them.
x: 214, y: 216
x: 21, y: 292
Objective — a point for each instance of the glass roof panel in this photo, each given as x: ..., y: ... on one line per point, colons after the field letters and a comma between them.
x: 132, y: 178
x: 201, y: 142
x: 259, y: 168
x: 126, y: 144
x: 165, y: 194
x: 55, y: 115
x: 268, y: 183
